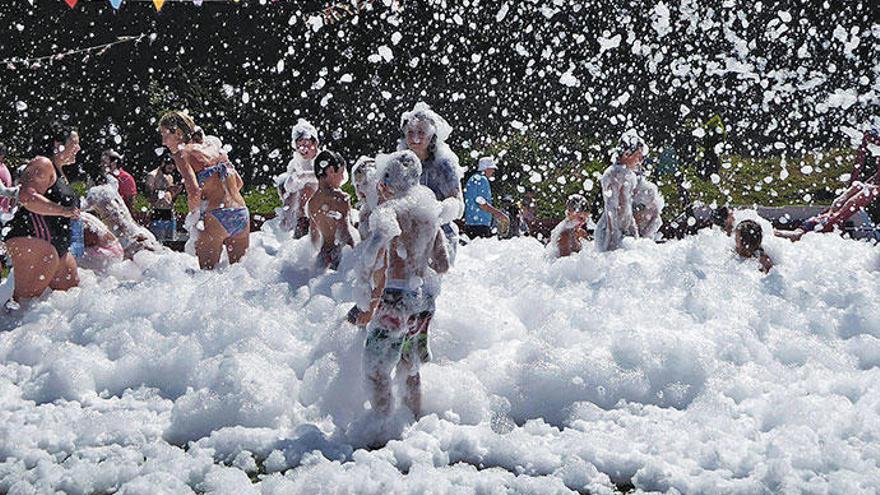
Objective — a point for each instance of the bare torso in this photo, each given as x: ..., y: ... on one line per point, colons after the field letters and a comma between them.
x: 216, y: 191
x: 328, y: 211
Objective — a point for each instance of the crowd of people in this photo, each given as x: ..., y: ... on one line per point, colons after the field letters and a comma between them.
x: 401, y: 229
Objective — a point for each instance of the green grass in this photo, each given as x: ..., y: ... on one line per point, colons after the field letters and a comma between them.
x: 811, y: 179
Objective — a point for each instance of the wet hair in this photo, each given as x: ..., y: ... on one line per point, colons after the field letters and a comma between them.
x: 719, y: 216
x: 577, y: 203
x: 751, y: 235
x: 113, y: 155
x: 326, y: 159
x: 59, y: 132
x: 630, y: 141
x: 176, y: 119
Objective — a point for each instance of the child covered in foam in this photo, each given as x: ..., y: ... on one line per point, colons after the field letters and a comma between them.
x: 618, y: 189
x: 298, y: 183
x: 567, y: 237
x: 102, y: 248
x: 108, y: 206
x: 407, y: 250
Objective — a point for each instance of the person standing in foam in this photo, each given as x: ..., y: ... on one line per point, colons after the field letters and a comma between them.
x: 618, y: 187
x: 565, y: 239
x: 297, y: 185
x: 328, y: 210
x: 407, y: 248
x: 39, y: 235
x: 478, y: 208
x: 208, y: 175
x: 363, y: 178
x: 648, y: 204
x: 425, y: 134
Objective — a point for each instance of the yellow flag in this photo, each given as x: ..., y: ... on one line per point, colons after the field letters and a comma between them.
x: 158, y: 4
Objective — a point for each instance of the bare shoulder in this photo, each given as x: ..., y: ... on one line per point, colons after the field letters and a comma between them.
x: 39, y: 167
x: 340, y: 196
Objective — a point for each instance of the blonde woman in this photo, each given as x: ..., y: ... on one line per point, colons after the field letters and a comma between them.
x: 208, y: 176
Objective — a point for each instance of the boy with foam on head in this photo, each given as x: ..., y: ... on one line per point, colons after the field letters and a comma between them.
x: 749, y: 236
x: 328, y: 210
x: 406, y: 252
x: 567, y: 236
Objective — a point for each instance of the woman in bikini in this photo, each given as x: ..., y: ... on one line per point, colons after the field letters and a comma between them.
x: 208, y: 177
x: 38, y: 236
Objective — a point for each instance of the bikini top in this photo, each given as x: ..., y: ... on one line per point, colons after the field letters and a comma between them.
x: 222, y: 169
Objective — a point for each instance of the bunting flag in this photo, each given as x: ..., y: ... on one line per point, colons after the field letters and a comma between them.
x: 198, y: 3
x: 115, y: 4
x: 71, y: 3
x: 158, y: 4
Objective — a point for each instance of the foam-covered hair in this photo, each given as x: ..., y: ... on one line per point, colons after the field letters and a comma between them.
x: 630, y: 141
x: 363, y: 165
x: 399, y: 170
x: 421, y: 112
x: 577, y: 203
x: 303, y: 130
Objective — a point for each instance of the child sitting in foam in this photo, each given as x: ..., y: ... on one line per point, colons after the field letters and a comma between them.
x: 107, y: 204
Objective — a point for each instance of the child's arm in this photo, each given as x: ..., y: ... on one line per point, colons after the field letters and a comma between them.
x: 439, y: 261
x: 563, y: 244
x: 378, y: 283
x: 345, y: 224
x: 765, y: 261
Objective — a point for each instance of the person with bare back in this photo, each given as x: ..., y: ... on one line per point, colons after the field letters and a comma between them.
x: 208, y: 177
x: 405, y: 253
x: 328, y: 210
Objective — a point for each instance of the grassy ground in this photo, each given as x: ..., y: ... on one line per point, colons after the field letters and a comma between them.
x: 812, y: 179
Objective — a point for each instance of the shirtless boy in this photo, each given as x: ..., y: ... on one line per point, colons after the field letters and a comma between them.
x: 328, y: 210
x: 408, y: 248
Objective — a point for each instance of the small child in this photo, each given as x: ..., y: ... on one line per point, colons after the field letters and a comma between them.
x: 328, y: 210
x: 749, y: 236
x: 363, y: 180
x: 408, y: 253
x: 567, y: 236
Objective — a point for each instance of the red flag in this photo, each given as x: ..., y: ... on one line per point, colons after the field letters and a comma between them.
x: 71, y: 3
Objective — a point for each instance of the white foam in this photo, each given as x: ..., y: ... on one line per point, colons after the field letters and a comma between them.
x: 672, y: 366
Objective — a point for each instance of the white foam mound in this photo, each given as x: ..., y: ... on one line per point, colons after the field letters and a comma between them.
x: 671, y: 367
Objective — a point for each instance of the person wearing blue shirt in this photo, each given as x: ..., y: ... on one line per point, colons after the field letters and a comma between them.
x: 479, y: 214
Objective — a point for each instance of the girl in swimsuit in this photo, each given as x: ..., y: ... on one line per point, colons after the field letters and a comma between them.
x: 39, y: 234
x: 208, y: 176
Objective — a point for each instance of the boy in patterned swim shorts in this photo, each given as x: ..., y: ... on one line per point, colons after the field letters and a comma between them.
x: 406, y: 254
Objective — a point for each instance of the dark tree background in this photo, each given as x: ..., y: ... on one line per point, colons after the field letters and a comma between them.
x: 786, y: 77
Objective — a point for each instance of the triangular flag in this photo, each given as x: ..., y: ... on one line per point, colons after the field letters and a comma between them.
x: 31, y: 2
x: 71, y: 3
x: 158, y: 4
x: 115, y: 4
x: 198, y: 2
